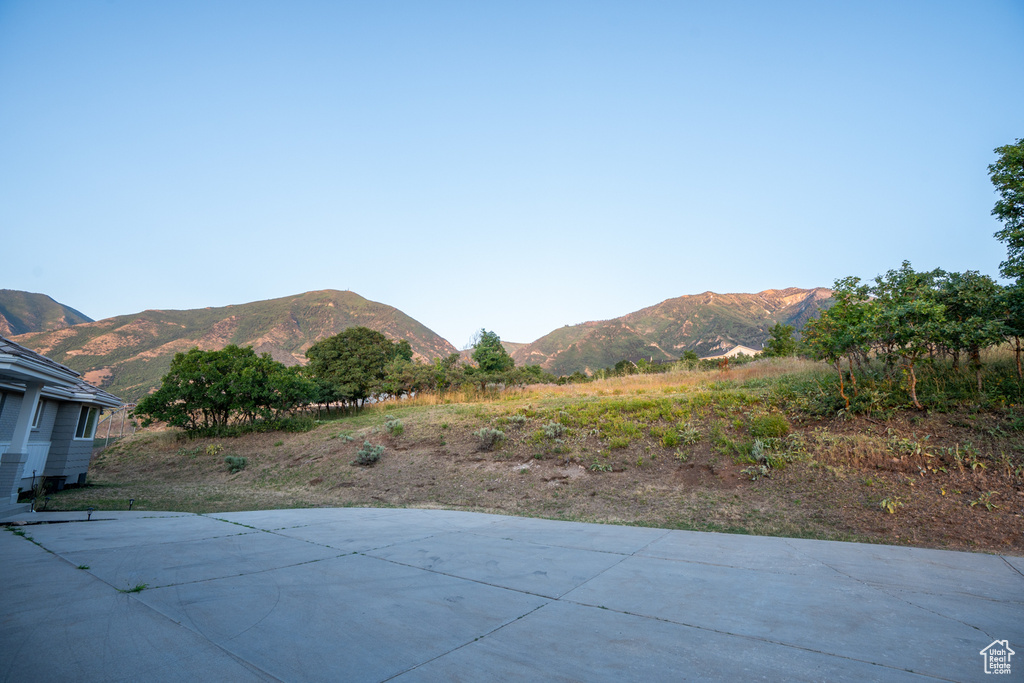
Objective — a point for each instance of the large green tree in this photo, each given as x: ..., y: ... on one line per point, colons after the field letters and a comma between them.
x: 490, y: 355
x: 1007, y: 174
x: 211, y: 389
x: 355, y: 362
x: 973, y: 320
x: 780, y: 341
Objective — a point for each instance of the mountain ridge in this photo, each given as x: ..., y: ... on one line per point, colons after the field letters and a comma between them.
x: 130, y: 353
x: 706, y: 323
x: 23, y: 312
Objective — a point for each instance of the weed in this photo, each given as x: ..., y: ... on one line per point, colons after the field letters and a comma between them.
x: 235, y: 463
x: 517, y: 420
x: 138, y: 588
x: 985, y: 500
x: 278, y: 443
x: 891, y: 505
x: 489, y: 438
x: 368, y: 454
x: 688, y: 435
x: 596, y: 466
x: 193, y: 452
x: 682, y: 456
x: 769, y: 426
x: 83, y: 566
x: 670, y: 439
x: 554, y: 430
x: 619, y: 442
x: 344, y: 436
x: 214, y: 449
x: 756, y: 472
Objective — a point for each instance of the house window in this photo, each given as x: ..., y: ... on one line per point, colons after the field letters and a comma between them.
x: 40, y: 409
x: 87, y: 422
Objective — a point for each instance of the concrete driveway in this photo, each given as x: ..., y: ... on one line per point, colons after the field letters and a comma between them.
x: 434, y: 595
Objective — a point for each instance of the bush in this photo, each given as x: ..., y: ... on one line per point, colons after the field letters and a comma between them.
x: 394, y: 426
x: 555, y: 430
x: 517, y: 420
x: 769, y: 427
x: 368, y: 454
x: 235, y: 463
x: 489, y: 438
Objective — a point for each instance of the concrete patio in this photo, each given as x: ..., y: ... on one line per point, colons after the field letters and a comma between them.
x: 435, y: 595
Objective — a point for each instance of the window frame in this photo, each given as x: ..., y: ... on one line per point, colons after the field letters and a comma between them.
x: 88, y: 420
x: 37, y: 418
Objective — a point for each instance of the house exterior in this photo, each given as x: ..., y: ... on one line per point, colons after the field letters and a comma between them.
x: 737, y: 350
x: 48, y: 418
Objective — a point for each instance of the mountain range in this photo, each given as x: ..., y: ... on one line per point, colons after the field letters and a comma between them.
x: 128, y: 354
x: 707, y: 324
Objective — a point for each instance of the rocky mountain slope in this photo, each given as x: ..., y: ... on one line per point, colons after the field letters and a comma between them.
x: 24, y: 312
x: 128, y: 354
x: 707, y: 324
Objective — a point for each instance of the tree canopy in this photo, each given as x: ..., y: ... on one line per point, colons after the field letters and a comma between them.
x: 210, y: 389
x: 490, y: 355
x: 354, y: 363
x: 1007, y: 174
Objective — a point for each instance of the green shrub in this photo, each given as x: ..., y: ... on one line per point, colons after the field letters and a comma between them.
x: 489, y: 438
x: 670, y: 439
x: 769, y: 427
x: 394, y: 426
x: 235, y: 463
x: 554, y: 430
x: 368, y: 454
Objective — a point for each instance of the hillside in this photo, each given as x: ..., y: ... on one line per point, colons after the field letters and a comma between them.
x: 127, y: 355
x: 707, y: 324
x: 25, y: 312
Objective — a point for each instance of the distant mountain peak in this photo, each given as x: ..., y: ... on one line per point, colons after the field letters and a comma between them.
x: 24, y: 312
x: 706, y: 323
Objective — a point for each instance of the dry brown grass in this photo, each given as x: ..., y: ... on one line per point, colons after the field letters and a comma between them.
x: 676, y: 380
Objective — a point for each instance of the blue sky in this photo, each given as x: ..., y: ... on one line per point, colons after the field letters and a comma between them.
x: 517, y: 166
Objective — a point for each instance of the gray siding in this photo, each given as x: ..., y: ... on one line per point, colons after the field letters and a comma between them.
x: 12, y: 406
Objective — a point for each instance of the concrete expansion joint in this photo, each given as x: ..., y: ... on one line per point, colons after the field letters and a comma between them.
x: 468, y: 642
x: 889, y: 591
x: 1011, y: 566
x: 761, y: 639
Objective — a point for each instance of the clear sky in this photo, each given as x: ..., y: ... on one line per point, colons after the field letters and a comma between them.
x: 517, y: 166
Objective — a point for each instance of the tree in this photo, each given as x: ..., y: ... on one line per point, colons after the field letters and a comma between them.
x: 1013, y: 309
x: 355, y: 362
x: 971, y: 307
x: 842, y: 330
x: 490, y: 355
x: 906, y: 319
x: 210, y: 389
x: 781, y: 342
x: 1007, y: 174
